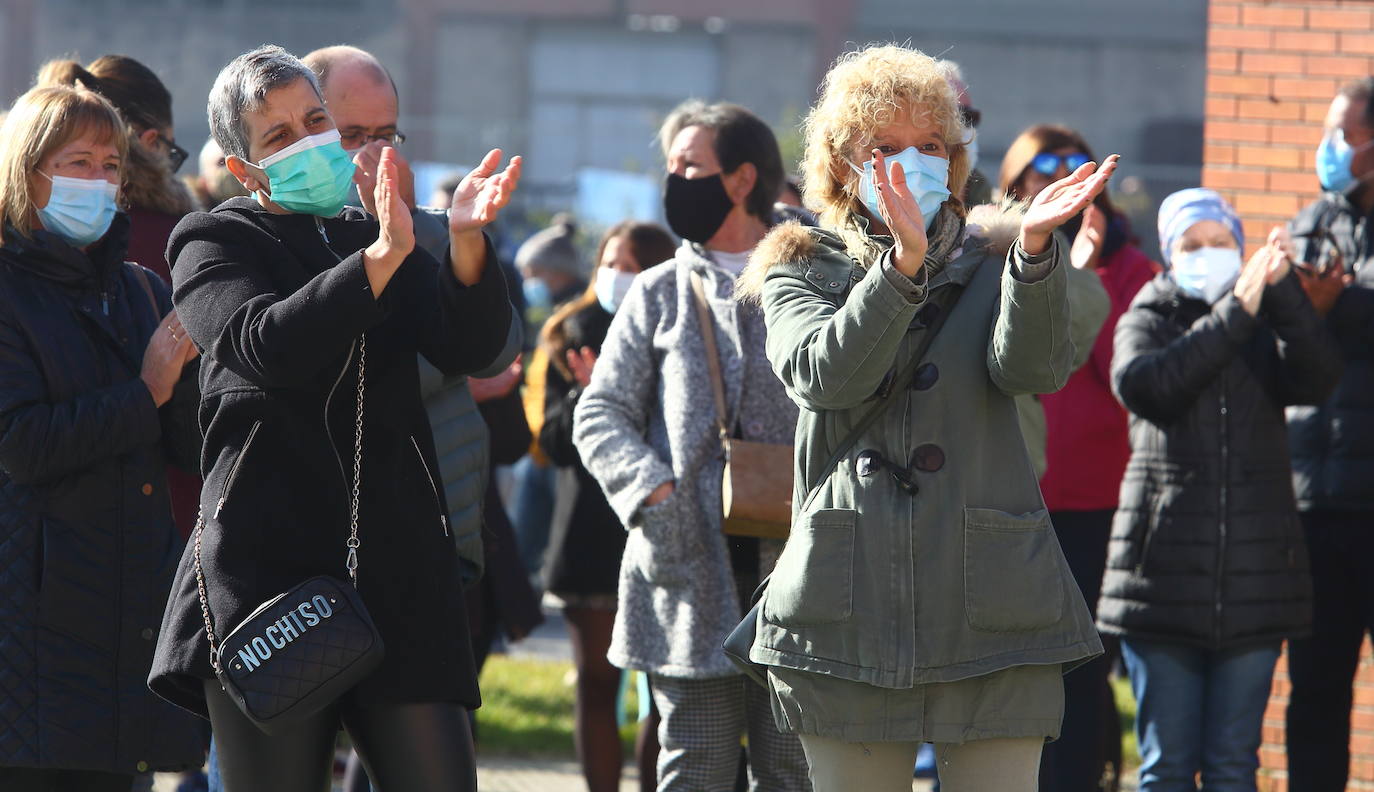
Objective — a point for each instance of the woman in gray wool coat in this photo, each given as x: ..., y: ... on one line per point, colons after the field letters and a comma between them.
x: 646, y: 430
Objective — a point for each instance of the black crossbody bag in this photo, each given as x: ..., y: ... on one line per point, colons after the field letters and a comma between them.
x: 741, y: 639
x: 302, y: 649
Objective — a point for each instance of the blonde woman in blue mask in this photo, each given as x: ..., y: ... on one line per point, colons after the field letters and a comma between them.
x: 319, y: 460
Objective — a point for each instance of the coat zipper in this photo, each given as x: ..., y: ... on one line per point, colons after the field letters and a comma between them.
x: 234, y: 471
x: 1221, y: 501
x: 434, y: 488
x: 348, y: 363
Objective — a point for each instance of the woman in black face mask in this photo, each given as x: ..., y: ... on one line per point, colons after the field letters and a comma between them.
x: 646, y: 428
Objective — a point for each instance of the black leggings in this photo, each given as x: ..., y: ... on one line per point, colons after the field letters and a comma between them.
x: 424, y: 747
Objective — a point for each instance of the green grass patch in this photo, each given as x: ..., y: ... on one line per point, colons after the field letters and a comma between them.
x: 1125, y: 705
x: 527, y: 710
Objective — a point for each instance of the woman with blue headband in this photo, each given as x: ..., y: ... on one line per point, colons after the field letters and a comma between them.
x: 1207, y: 570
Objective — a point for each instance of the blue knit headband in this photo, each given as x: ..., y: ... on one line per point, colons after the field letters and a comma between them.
x: 1181, y: 210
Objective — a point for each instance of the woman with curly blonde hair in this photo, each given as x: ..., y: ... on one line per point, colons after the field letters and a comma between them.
x: 922, y: 596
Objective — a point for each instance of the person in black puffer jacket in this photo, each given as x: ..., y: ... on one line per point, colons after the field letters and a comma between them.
x: 92, y: 406
x: 1333, y: 447
x: 582, y: 565
x: 1207, y: 571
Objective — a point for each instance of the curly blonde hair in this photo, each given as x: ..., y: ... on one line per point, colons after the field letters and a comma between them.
x: 864, y: 90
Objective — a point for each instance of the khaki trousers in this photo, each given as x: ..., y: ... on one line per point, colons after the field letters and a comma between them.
x: 1000, y: 765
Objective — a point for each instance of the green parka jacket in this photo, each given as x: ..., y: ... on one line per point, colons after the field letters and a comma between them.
x: 964, y: 577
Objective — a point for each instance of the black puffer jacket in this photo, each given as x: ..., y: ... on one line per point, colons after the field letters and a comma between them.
x: 1205, y: 545
x: 277, y: 303
x: 1333, y: 444
x: 87, y: 545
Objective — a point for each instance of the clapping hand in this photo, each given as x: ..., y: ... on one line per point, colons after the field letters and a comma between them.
x: 397, y: 232
x: 483, y: 193
x: 1269, y: 265
x: 580, y: 363
x: 901, y: 215
x: 1061, y: 200
x: 368, y: 162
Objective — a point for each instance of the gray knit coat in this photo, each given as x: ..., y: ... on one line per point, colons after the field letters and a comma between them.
x: 648, y: 417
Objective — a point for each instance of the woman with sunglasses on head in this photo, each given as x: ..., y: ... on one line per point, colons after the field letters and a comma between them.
x: 921, y: 596
x: 1085, y: 437
x: 319, y: 458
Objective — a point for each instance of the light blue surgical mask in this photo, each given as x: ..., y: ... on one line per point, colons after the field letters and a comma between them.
x: 611, y: 286
x: 1207, y: 273
x: 311, y: 176
x: 537, y: 294
x: 927, y: 177
x: 1334, y: 157
x: 79, y: 210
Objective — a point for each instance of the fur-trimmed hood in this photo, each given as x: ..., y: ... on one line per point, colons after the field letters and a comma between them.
x: 150, y: 184
x: 996, y: 224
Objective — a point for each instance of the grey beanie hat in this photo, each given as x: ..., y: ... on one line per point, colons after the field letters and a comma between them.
x: 551, y: 250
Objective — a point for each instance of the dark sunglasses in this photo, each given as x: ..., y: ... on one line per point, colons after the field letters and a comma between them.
x: 1047, y: 163
x: 970, y: 117
x: 176, y: 155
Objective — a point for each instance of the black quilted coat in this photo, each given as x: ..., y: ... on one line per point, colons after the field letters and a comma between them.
x: 1206, y: 548
x: 277, y: 303
x: 87, y: 544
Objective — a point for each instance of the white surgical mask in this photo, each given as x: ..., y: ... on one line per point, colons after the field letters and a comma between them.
x: 1206, y: 273
x: 611, y: 287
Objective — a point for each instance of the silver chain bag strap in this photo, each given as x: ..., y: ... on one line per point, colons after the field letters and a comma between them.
x: 302, y: 649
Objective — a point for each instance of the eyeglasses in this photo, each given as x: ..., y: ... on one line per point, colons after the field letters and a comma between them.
x: 356, y: 139
x: 1047, y: 163
x: 971, y: 118
x: 176, y: 155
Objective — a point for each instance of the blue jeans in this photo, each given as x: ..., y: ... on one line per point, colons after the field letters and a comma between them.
x: 1198, y: 711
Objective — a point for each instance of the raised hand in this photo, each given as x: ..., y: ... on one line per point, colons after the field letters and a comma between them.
x: 483, y: 193
x: 369, y: 160
x: 1249, y: 288
x: 397, y: 229
x: 901, y: 215
x: 1061, y: 200
x: 580, y: 363
x: 1281, y: 260
x: 1086, y: 251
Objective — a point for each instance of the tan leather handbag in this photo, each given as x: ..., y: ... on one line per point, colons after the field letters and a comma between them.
x: 756, y: 489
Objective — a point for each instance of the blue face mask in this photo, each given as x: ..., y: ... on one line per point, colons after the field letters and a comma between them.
x: 537, y: 294
x: 1206, y: 273
x: 79, y: 210
x: 927, y: 176
x: 611, y: 286
x: 311, y: 176
x: 1334, y: 157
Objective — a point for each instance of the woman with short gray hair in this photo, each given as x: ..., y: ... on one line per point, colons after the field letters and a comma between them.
x: 300, y: 307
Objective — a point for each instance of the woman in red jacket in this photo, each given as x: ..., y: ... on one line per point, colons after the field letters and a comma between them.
x: 1086, y: 447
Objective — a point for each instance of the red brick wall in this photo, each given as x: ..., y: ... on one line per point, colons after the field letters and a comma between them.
x: 1272, y: 68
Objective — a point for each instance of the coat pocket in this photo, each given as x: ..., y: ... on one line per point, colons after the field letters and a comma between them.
x: 663, y: 547
x: 1013, y: 579
x: 813, y: 582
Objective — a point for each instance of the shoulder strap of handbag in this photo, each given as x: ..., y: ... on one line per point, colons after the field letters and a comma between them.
x: 351, y: 561
x: 708, y: 335
x: 142, y: 275
x: 899, y: 385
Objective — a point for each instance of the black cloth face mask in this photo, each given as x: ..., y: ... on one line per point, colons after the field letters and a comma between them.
x: 696, y: 208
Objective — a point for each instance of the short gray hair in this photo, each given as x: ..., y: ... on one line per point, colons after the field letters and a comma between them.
x: 241, y: 88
